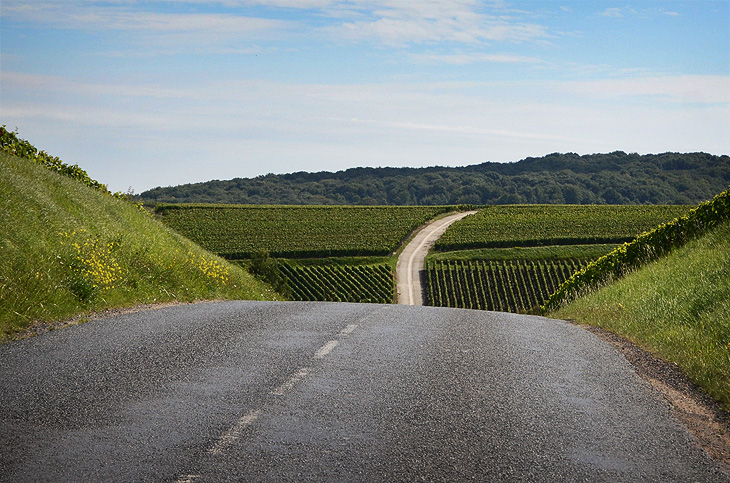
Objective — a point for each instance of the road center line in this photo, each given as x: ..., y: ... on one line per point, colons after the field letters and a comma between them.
x: 301, y: 374
x: 235, y: 432
x: 348, y: 329
x: 326, y: 349
x: 187, y: 478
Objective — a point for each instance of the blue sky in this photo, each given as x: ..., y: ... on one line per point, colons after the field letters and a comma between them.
x: 158, y: 93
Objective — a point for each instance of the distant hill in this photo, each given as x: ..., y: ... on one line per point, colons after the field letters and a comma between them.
x: 612, y: 178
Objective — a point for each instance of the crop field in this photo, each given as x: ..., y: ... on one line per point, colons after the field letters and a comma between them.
x: 512, y: 258
x: 535, y: 225
x: 239, y: 231
x: 549, y: 252
x: 501, y: 285
x: 505, y: 258
x: 340, y: 283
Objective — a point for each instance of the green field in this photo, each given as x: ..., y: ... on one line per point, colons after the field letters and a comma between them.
x: 568, y: 235
x: 550, y: 252
x: 503, y: 285
x: 512, y: 258
x: 340, y: 283
x: 239, y: 231
x: 536, y: 225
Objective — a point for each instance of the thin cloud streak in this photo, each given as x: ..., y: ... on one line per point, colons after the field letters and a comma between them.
x: 401, y: 23
x: 86, y: 16
x: 462, y: 129
x: 388, y: 22
x: 707, y: 89
x: 704, y: 89
x: 470, y: 58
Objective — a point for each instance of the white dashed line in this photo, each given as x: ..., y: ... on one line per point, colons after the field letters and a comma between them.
x: 348, y: 329
x: 326, y: 349
x: 233, y: 434
x: 281, y: 390
x: 187, y: 478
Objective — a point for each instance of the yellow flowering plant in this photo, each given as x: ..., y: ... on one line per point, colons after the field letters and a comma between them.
x: 213, y: 270
x: 92, y: 263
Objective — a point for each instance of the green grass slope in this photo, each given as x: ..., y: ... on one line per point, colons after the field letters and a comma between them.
x: 67, y: 249
x: 677, y: 307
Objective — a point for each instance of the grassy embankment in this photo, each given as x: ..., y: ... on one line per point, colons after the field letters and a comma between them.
x: 68, y: 249
x: 677, y: 306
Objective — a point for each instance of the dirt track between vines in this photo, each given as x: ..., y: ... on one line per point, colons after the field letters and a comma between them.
x: 411, y: 260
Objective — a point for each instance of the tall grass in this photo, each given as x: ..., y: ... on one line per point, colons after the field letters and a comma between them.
x: 67, y: 249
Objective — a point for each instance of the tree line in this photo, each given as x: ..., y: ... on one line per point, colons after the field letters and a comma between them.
x: 611, y: 178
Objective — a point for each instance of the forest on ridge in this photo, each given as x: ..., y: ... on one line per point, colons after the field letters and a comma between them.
x: 611, y: 178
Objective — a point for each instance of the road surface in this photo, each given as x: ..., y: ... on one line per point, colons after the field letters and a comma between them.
x: 294, y: 391
x: 411, y: 260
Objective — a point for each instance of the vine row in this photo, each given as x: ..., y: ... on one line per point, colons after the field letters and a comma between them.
x: 333, y: 283
x: 506, y: 285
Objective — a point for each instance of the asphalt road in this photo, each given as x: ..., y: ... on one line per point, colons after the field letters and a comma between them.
x: 257, y: 391
x: 412, y: 258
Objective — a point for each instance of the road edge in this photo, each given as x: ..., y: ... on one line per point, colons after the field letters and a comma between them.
x: 703, y: 417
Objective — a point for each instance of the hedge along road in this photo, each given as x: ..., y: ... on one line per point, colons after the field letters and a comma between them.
x: 411, y: 260
x: 297, y: 391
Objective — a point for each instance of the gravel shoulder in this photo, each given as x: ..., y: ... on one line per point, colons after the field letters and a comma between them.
x: 708, y: 422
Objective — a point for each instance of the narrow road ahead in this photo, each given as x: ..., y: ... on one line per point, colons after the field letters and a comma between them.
x: 411, y: 260
x: 288, y: 391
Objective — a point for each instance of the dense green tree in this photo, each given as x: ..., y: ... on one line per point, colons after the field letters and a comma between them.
x: 615, y: 178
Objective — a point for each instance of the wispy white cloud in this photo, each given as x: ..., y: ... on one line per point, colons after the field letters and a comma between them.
x: 389, y: 22
x: 459, y: 107
x: 147, y: 30
x: 471, y: 130
x: 38, y: 83
x: 84, y: 16
x: 703, y: 89
x: 647, y: 12
x: 470, y: 58
x: 613, y: 12
x: 296, y: 4
x: 464, y: 21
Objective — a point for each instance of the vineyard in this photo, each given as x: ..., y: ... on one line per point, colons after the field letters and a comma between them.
x: 500, y: 285
x: 512, y: 258
x: 340, y: 283
x: 518, y: 255
x: 239, y: 231
x: 536, y: 225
